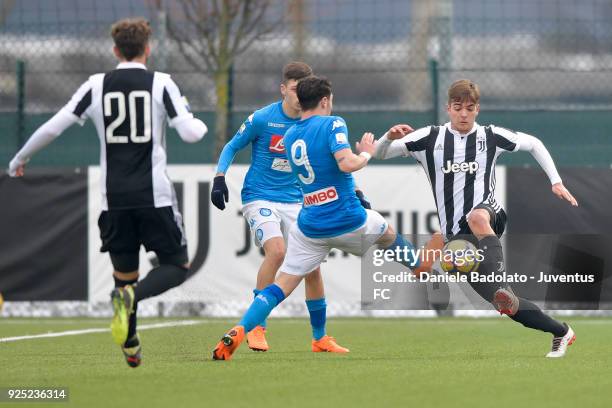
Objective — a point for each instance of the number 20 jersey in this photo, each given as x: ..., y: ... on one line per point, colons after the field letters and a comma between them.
x: 130, y: 107
x: 331, y: 207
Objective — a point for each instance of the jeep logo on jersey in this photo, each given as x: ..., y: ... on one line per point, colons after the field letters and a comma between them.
x: 277, y: 144
x: 465, y: 167
x: 320, y: 197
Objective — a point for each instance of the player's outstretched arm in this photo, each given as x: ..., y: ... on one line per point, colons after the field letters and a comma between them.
x: 391, y: 144
x: 44, y: 135
x: 349, y: 162
x: 536, y: 148
x: 219, y: 195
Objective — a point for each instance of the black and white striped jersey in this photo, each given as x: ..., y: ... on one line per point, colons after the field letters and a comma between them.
x: 460, y: 168
x: 130, y: 107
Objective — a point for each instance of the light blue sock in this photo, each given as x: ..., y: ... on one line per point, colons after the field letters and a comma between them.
x: 261, y: 307
x: 255, y: 293
x: 401, y: 243
x: 318, y: 315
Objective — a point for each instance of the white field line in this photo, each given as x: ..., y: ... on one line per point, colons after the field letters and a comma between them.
x: 102, y: 330
x: 301, y: 321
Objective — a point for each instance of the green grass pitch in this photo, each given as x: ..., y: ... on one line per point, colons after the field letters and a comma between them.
x: 393, y: 362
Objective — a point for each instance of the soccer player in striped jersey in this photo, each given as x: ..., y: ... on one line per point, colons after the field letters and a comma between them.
x: 459, y: 160
x: 129, y: 107
x: 272, y: 198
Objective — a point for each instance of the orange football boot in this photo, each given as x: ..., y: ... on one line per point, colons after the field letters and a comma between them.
x: 256, y: 339
x: 428, y: 256
x: 327, y: 344
x: 229, y: 343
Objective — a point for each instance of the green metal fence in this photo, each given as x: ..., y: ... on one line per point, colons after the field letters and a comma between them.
x: 544, y: 67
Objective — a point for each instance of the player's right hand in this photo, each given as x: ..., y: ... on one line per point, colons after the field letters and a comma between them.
x: 16, y: 168
x: 366, y: 144
x: 219, y: 194
x: 398, y: 131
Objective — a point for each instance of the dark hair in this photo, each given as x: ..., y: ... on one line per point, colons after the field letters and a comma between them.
x: 296, y: 70
x: 131, y: 36
x: 311, y: 90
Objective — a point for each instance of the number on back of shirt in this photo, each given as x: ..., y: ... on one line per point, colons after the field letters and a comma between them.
x: 136, y: 115
x: 299, y: 156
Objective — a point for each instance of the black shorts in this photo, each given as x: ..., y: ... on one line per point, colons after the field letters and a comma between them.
x: 158, y: 229
x: 497, y: 220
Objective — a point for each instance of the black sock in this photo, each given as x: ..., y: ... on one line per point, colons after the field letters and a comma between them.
x: 530, y: 315
x: 159, y: 280
x: 119, y: 283
x: 493, y: 261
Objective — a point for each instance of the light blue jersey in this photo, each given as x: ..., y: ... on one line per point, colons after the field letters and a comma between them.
x: 269, y: 177
x: 330, y: 207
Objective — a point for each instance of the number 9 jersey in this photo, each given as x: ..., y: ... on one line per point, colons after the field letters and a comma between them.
x: 331, y: 207
x: 129, y: 107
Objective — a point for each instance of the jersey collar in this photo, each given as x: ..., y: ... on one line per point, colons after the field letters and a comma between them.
x: 130, y: 64
x: 457, y: 133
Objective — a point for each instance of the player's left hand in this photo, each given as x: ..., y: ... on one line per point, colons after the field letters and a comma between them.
x: 16, y: 168
x: 563, y: 193
x: 362, y: 199
x: 219, y: 195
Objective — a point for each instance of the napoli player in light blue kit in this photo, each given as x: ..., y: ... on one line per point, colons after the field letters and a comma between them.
x: 272, y: 198
x: 331, y: 216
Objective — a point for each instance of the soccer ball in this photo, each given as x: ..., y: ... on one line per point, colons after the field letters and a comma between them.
x: 460, y: 256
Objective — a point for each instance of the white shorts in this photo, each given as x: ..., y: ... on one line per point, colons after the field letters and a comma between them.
x: 305, y: 254
x: 268, y: 219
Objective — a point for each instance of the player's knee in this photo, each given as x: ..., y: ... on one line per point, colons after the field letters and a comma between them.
x: 314, y: 277
x: 479, y: 220
x: 275, y: 251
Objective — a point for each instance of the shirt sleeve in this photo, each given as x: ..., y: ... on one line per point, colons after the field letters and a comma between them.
x: 505, y: 139
x: 338, y: 136
x: 176, y: 105
x: 245, y: 135
x: 413, y: 144
x: 44, y: 135
x: 536, y: 148
x: 80, y: 103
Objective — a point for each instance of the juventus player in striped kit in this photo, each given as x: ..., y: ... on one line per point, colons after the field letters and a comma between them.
x: 129, y: 107
x: 459, y: 159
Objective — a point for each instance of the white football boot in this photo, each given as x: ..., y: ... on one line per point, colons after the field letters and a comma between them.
x: 560, y: 344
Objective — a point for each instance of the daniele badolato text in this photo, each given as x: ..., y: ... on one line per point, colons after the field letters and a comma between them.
x: 460, y: 266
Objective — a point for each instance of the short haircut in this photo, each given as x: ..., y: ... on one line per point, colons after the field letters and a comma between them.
x: 296, y: 70
x: 131, y: 36
x: 462, y: 91
x: 311, y: 90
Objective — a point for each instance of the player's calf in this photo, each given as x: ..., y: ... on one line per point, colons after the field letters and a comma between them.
x: 505, y: 301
